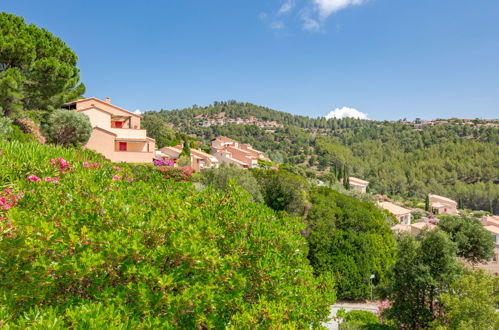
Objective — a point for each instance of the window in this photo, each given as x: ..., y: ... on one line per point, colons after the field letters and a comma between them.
x: 122, y: 146
x: 118, y: 124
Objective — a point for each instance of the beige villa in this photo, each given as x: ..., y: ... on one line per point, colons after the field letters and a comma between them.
x: 232, y: 152
x: 413, y: 229
x: 358, y: 184
x: 442, y: 205
x: 199, y: 159
x: 116, y: 132
x: 402, y: 214
x: 491, y: 224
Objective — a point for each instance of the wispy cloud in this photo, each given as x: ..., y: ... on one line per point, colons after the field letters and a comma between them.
x: 346, y: 112
x: 310, y: 13
x: 328, y: 7
x: 286, y: 7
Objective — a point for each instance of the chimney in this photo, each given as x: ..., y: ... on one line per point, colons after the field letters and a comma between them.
x: 108, y: 100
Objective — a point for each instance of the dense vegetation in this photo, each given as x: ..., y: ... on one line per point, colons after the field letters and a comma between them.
x: 87, y: 242
x: 454, y: 159
x: 37, y: 69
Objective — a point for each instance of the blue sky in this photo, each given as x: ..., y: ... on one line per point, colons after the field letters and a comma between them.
x: 390, y: 59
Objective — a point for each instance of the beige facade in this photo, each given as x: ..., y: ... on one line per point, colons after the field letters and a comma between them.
x: 402, y: 214
x: 413, y: 229
x: 200, y: 160
x: 116, y: 132
x: 442, y: 205
x: 358, y: 184
x: 491, y: 224
x: 232, y: 152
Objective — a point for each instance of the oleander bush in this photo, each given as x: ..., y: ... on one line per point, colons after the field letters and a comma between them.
x: 93, y: 244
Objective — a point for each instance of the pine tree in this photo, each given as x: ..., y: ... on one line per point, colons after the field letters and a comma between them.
x: 427, y: 204
x: 186, y: 151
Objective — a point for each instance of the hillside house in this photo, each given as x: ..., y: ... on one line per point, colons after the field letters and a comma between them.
x: 232, y: 152
x: 200, y: 160
x: 116, y: 132
x: 442, y: 205
x: 358, y: 184
x: 402, y: 214
x: 413, y: 229
x: 491, y: 224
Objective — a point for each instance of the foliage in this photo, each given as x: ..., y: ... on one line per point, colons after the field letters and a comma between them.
x: 5, y: 128
x: 145, y: 252
x: 184, y: 161
x: 225, y: 175
x: 283, y: 190
x: 474, y: 243
x: 37, y: 69
x: 17, y: 135
x: 67, y: 127
x: 349, y: 239
x: 29, y: 127
x: 176, y: 174
x: 160, y: 131
x: 424, y: 269
x: 470, y: 303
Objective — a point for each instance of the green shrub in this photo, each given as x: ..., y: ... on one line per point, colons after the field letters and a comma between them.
x: 17, y: 135
x: 350, y: 239
x: 101, y: 248
x: 221, y: 177
x: 68, y: 127
x: 5, y: 128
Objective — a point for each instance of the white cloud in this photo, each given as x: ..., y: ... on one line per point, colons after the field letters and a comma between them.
x: 309, y: 23
x: 346, y: 112
x: 286, y: 7
x: 328, y: 7
x: 137, y: 112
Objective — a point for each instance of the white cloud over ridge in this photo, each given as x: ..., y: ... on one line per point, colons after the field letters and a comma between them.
x: 346, y: 112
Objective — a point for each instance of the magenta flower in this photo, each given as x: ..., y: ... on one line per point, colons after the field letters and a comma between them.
x: 33, y: 178
x: 48, y: 179
x: 116, y: 177
x: 85, y: 164
x: 52, y: 161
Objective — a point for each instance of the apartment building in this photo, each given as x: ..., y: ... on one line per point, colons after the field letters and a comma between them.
x: 232, y: 152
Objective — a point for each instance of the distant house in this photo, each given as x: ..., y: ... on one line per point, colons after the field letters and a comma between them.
x: 358, y: 184
x: 116, y: 132
x: 414, y: 228
x: 199, y: 159
x: 442, y: 205
x: 402, y: 214
x: 491, y: 224
x: 232, y: 152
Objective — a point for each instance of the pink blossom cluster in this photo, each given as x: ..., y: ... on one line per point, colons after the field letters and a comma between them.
x: 61, y: 163
x: 163, y: 162
x: 91, y: 165
x: 34, y: 178
x: 8, y: 199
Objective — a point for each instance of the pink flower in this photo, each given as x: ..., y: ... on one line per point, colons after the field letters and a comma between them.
x: 52, y: 161
x: 8, y: 191
x: 85, y: 164
x: 33, y: 178
x: 55, y: 180
x: 116, y: 177
x: 48, y: 179
x: 6, y: 206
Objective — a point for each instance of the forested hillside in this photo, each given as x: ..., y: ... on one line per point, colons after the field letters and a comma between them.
x: 454, y: 158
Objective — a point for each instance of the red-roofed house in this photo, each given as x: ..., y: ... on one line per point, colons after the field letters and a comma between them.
x: 230, y: 151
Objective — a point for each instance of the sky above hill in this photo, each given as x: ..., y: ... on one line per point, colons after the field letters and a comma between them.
x: 387, y: 59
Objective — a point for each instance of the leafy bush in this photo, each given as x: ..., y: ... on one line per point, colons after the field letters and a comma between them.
x: 5, y: 128
x: 99, y: 252
x: 349, y: 239
x: 221, y: 177
x: 68, y: 127
x: 29, y: 127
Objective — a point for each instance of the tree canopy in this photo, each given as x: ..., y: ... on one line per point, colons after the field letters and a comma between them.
x: 349, y: 239
x: 37, y: 69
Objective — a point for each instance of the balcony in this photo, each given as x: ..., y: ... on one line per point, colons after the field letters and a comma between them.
x: 128, y: 133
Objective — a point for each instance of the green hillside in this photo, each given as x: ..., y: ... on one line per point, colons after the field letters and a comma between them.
x: 455, y: 159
